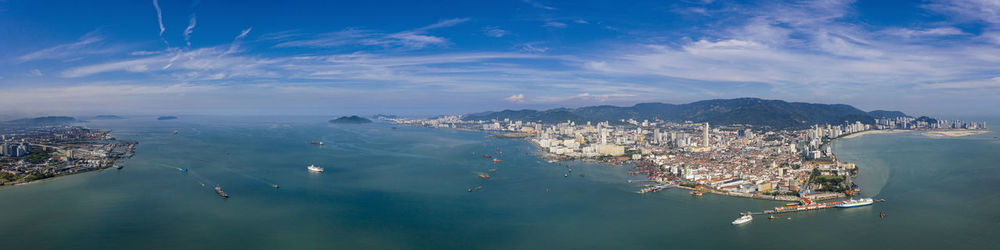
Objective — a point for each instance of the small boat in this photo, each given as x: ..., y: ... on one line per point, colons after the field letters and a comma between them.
x: 183, y: 170
x: 218, y: 190
x: 314, y: 169
x: 175, y: 132
x: 317, y: 143
x: 744, y: 219
x: 120, y: 166
x: 497, y: 160
x: 470, y: 190
x: 493, y: 170
x: 274, y: 185
x: 487, y: 156
x: 882, y: 215
x: 771, y: 217
x: 484, y: 176
x: 566, y: 175
x: 480, y: 187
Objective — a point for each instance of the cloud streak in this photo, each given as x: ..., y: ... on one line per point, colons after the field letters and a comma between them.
x: 189, y: 30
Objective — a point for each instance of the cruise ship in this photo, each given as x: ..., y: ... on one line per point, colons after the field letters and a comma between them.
x: 314, y: 169
x: 744, y: 219
x: 856, y: 203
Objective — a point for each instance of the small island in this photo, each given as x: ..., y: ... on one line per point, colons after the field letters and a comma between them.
x: 350, y: 120
x: 107, y: 117
x: 164, y: 118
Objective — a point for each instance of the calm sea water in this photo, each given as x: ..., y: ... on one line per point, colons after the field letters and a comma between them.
x: 406, y: 188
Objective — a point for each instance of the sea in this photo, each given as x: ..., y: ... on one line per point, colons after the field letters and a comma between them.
x: 389, y: 186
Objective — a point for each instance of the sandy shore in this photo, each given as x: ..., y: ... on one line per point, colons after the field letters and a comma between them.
x: 953, y: 133
x: 872, y: 132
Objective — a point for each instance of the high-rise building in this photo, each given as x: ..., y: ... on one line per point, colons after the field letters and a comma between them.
x: 705, y: 134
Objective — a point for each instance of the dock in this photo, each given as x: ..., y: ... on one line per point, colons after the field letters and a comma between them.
x: 655, y: 188
x: 805, y: 204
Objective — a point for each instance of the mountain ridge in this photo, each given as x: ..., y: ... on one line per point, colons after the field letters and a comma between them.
x: 750, y: 111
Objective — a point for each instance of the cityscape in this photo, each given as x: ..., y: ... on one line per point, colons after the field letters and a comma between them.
x: 518, y: 124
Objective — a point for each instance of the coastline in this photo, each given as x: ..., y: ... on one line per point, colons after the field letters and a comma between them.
x: 874, y: 132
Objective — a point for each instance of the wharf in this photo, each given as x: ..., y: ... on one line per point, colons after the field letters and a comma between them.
x: 806, y: 205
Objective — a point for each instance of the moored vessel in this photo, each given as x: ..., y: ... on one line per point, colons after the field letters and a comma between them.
x: 856, y: 203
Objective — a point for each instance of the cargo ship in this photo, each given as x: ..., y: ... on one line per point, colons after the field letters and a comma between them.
x: 218, y: 190
x: 497, y: 160
x: 487, y: 156
x: 317, y: 143
x: 856, y: 203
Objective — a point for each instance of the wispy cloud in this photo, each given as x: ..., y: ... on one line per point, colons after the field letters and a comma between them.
x: 536, y: 4
x: 554, y: 24
x: 494, y: 31
x: 189, y: 30
x: 85, y: 45
x: 235, y: 45
x: 415, y: 38
x: 159, y: 19
x: 518, y: 98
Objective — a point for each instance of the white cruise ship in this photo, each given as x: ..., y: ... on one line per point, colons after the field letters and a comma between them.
x: 314, y: 169
x: 744, y: 219
x: 856, y: 203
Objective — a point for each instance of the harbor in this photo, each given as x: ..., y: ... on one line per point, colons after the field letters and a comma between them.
x: 806, y: 204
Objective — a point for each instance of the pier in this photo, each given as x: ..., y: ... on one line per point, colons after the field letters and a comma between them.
x: 806, y: 204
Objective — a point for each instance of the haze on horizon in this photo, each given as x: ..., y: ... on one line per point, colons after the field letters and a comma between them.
x: 265, y: 57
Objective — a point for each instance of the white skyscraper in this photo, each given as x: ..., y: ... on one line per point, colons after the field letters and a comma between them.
x: 705, y: 134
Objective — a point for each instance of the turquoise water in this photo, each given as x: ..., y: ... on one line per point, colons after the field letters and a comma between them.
x: 407, y: 189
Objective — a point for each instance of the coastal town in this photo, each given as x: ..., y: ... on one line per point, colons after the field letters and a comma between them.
x: 736, y: 159
x: 31, y: 153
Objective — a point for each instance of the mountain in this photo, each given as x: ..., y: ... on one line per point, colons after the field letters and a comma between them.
x: 164, y: 118
x: 752, y: 111
x: 107, y: 117
x: 887, y: 114
x: 350, y: 120
x: 43, y: 121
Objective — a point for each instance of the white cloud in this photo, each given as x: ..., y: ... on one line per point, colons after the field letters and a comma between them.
x: 536, y: 4
x: 189, y: 30
x: 518, y: 98
x: 159, y: 19
x: 973, y: 84
x: 554, y: 24
x: 85, y: 45
x: 415, y: 38
x: 933, y: 32
x: 494, y: 31
x: 35, y: 72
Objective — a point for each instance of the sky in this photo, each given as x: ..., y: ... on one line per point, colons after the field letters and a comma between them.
x: 452, y: 57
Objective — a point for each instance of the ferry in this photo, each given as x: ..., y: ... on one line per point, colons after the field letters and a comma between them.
x: 744, y: 219
x: 317, y: 143
x: 856, y: 203
x: 314, y: 169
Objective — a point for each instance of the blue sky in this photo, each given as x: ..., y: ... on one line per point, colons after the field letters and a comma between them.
x: 405, y: 57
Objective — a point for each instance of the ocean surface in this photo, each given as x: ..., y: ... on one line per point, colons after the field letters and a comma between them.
x: 407, y: 188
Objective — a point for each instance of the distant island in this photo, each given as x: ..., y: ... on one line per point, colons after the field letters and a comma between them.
x: 350, y: 120
x: 107, y: 117
x: 163, y: 118
x: 43, y: 121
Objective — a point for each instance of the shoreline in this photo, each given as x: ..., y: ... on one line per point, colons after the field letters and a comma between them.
x: 875, y: 132
x: 953, y: 133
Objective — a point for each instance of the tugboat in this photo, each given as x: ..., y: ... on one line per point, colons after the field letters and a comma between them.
x: 218, y: 190
x: 771, y: 217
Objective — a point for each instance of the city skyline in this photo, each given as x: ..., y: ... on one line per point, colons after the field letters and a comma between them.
x: 193, y: 57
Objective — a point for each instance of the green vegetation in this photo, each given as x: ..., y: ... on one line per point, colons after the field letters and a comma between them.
x: 690, y: 184
x: 37, y: 156
x: 37, y: 176
x: 350, y: 120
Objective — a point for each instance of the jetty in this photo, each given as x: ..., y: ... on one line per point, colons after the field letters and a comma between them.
x: 806, y: 204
